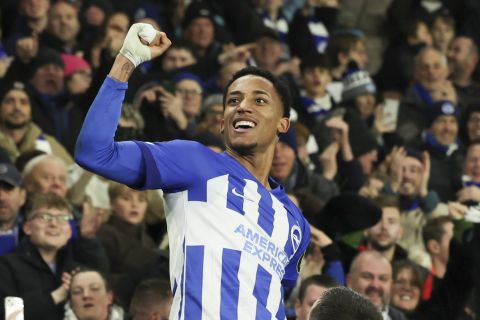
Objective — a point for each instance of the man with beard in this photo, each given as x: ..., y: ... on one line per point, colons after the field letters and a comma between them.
x: 371, y: 275
x: 383, y: 236
x: 18, y: 133
x: 462, y: 56
x: 236, y: 239
x: 409, y: 174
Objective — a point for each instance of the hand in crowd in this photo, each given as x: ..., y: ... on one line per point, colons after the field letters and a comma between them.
x: 90, y: 222
x: 456, y: 210
x: 383, y: 122
x: 328, y: 160
x: 172, y: 107
x: 291, y: 66
x: 471, y: 193
x: 27, y: 48
x: 425, y: 175
x: 340, y: 130
x: 60, y: 294
x: 231, y: 53
x: 314, y: 261
x: 395, y: 162
x: 444, y: 91
x: 371, y: 189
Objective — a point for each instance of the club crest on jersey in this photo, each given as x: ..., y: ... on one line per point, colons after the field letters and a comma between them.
x: 296, y: 237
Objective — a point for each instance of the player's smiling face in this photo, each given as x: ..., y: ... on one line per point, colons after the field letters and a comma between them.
x: 253, y: 115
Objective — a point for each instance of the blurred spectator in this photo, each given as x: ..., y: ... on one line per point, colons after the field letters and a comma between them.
x: 19, y: 133
x: 443, y: 30
x: 211, y: 115
x: 124, y: 236
x: 31, y: 21
x: 218, y: 82
x: 343, y: 303
x: 180, y: 54
x: 437, y: 234
x: 391, y: 79
x: 170, y: 109
x: 311, y: 289
x: 91, y: 297
x: 63, y: 29
x: 441, y: 142
x: 463, y: 58
x: 39, y: 271
x: 297, y: 179
x: 311, y: 26
x: 384, y: 236
x: 469, y: 125
x: 44, y: 174
x: 431, y: 84
x: 407, y: 286
x: 272, y: 16
x: 152, y: 300
x: 371, y: 275
x: 409, y: 175
x: 77, y: 73
x: 12, y: 198
x: 130, y: 125
x: 315, y: 100
x: 470, y: 191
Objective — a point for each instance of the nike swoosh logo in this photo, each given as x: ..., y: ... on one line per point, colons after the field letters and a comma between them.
x: 235, y: 192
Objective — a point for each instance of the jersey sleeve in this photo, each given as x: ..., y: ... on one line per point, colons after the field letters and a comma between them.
x: 174, y: 165
x: 293, y: 268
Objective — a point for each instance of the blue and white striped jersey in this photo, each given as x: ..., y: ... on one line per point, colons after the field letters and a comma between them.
x: 233, y: 243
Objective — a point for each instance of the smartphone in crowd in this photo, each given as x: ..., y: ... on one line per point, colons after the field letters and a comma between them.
x: 13, y: 308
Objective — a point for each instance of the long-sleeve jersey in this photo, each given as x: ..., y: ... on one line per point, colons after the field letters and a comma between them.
x: 234, y: 244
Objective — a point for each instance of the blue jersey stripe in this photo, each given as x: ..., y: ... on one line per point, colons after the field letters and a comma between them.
x: 235, y: 193
x: 266, y: 214
x: 260, y: 291
x: 194, y: 282
x: 281, y: 309
x: 230, y: 284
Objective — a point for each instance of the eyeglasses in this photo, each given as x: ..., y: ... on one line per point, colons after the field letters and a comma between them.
x: 47, y: 217
x: 195, y: 92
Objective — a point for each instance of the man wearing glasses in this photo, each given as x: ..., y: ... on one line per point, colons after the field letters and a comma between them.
x: 39, y: 271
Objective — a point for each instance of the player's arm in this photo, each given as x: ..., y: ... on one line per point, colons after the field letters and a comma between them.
x: 95, y: 149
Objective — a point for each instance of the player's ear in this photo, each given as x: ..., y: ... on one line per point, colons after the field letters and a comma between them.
x: 283, y: 125
x: 222, y: 125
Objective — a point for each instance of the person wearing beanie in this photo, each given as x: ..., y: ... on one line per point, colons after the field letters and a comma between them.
x: 442, y: 143
x: 211, y: 115
x: 77, y: 72
x: 312, y: 189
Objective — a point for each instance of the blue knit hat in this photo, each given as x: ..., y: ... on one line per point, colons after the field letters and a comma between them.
x: 441, y: 108
x: 289, y: 137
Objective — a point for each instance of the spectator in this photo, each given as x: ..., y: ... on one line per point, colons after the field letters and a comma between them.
x: 12, y: 198
x: 18, y: 131
x: 211, y: 115
x: 91, y: 297
x: 437, y: 234
x: 371, y: 275
x: 297, y: 179
x: 470, y: 191
x: 311, y: 289
x: 39, y: 271
x: 383, y: 236
x: 315, y: 101
x: 407, y: 286
x: 343, y: 304
x: 409, y: 175
x: 124, y: 236
x: 170, y: 110
x: 441, y: 142
x: 272, y: 16
x: 469, y: 126
x: 46, y: 173
x: 77, y: 73
x: 463, y: 58
x: 181, y: 54
x: 63, y: 29
x: 443, y: 30
x: 152, y: 299
x: 311, y: 26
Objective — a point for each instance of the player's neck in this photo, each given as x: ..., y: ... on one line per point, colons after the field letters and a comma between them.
x: 258, y: 164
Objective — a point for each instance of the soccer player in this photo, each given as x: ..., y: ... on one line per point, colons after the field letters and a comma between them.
x: 236, y: 240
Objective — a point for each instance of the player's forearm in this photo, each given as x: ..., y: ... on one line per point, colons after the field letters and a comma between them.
x: 122, y: 69
x: 96, y: 150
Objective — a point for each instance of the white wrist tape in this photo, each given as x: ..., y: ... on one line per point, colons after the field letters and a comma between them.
x: 133, y: 49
